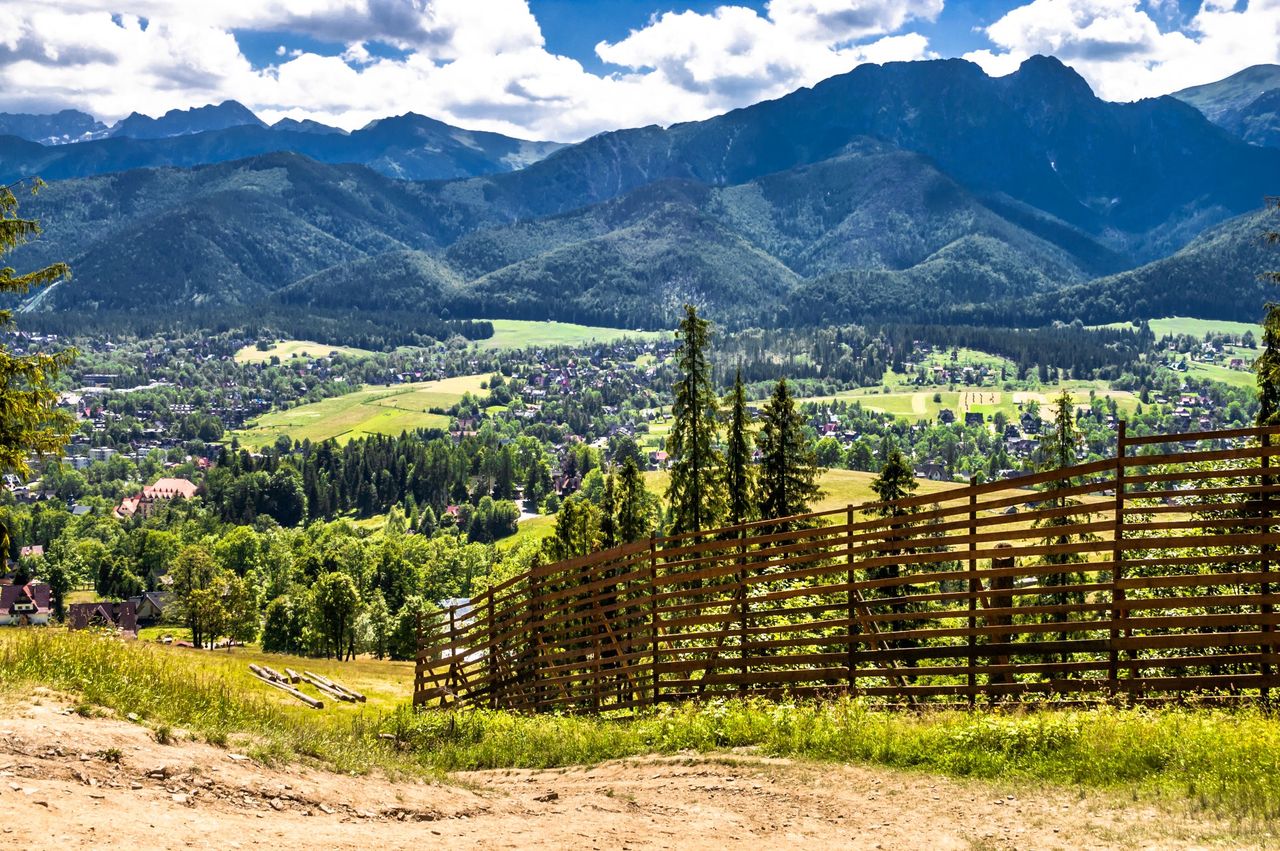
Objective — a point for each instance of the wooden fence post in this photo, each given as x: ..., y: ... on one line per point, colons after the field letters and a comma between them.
x: 973, y: 593
x: 1265, y: 568
x: 854, y: 633
x: 744, y: 612
x: 653, y: 618
x: 1000, y: 596
x: 1117, y: 568
x: 452, y: 680
x: 535, y: 638
x: 491, y: 660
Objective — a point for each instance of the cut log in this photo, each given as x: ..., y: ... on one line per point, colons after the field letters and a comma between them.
x: 261, y: 672
x: 326, y: 688
x: 355, y: 695
x: 307, y: 699
x: 293, y: 675
x: 274, y: 674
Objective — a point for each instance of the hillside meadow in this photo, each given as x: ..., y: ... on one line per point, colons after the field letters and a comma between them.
x: 373, y: 409
x: 1225, y: 761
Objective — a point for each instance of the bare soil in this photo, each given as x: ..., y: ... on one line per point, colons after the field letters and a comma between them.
x: 72, y: 782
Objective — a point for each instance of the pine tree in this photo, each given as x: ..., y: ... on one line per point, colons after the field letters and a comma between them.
x: 1267, y: 366
x: 1058, y: 452
x: 788, y: 466
x: 696, y: 492
x: 896, y: 482
x: 609, y: 513
x: 30, y: 422
x: 739, y: 474
x: 633, y: 503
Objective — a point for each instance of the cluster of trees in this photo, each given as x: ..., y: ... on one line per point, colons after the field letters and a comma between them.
x: 478, y: 477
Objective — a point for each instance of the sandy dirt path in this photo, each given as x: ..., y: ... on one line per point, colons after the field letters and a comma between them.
x: 76, y: 783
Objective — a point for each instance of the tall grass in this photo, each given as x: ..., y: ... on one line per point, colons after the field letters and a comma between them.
x: 1227, y: 761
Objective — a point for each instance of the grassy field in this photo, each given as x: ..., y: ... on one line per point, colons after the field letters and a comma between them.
x: 523, y: 334
x: 373, y: 409
x: 1234, y: 377
x: 290, y: 348
x: 920, y: 404
x: 1226, y: 761
x: 1198, y: 328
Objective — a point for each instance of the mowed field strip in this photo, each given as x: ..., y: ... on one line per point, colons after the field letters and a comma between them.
x: 373, y: 409
x: 524, y: 333
x: 287, y: 349
x: 916, y: 404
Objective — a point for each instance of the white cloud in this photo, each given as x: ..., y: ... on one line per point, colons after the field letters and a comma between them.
x: 1125, y: 54
x: 478, y: 63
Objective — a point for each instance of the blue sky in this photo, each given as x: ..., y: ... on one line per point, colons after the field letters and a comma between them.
x: 565, y: 69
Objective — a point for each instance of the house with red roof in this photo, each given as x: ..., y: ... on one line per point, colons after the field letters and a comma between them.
x: 162, y: 492
x: 25, y: 605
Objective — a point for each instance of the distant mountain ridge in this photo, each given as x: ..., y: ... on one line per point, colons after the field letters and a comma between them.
x: 184, y: 122
x: 924, y: 191
x: 1246, y: 104
x: 409, y: 146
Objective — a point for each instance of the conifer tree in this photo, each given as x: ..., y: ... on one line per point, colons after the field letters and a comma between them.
x: 633, y: 503
x: 740, y: 476
x: 30, y: 422
x: 788, y: 466
x: 609, y: 513
x: 1267, y: 365
x: 896, y: 482
x: 696, y: 491
x: 1058, y: 452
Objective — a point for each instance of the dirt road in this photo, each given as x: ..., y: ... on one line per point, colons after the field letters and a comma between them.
x: 71, y: 782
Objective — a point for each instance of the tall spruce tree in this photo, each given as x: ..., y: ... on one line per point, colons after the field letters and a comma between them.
x: 896, y: 482
x: 696, y: 492
x: 30, y: 423
x: 740, y: 478
x: 1058, y: 452
x: 609, y: 513
x: 788, y: 465
x: 1267, y: 366
x: 633, y: 503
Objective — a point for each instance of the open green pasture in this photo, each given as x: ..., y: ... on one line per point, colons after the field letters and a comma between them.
x: 373, y: 409
x: 286, y: 349
x: 524, y: 334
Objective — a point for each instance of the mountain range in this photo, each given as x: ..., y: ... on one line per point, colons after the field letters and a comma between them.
x: 908, y: 191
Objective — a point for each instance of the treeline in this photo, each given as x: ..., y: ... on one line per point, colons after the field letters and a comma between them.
x: 1084, y: 352
x: 469, y: 484
x: 374, y: 330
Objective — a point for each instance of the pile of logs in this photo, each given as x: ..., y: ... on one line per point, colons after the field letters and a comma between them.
x: 290, y: 678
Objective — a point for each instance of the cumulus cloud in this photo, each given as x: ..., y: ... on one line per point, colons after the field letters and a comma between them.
x: 1125, y: 54
x: 479, y: 63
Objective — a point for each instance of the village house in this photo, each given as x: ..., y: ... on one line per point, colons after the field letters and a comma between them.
x: 162, y: 492
x: 149, y: 607
x: 25, y: 605
x: 121, y: 616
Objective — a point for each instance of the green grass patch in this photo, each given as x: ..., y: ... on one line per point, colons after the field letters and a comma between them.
x: 523, y: 334
x: 287, y: 349
x: 1226, y: 761
x: 1234, y: 377
x: 373, y: 409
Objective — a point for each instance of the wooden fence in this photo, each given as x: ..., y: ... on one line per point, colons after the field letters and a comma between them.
x: 1146, y: 577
